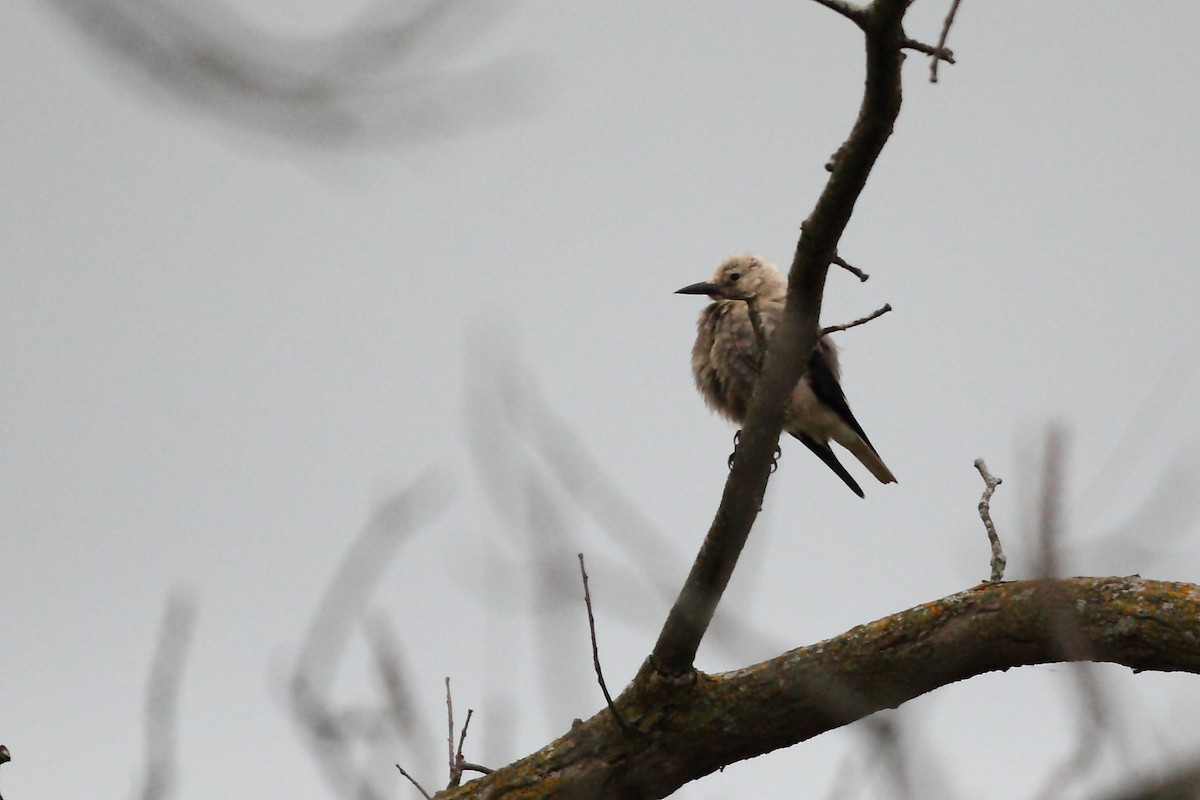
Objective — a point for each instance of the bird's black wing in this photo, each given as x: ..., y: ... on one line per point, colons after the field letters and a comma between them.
x: 827, y: 389
x: 825, y: 453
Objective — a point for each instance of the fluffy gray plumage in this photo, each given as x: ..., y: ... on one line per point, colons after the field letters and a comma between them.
x: 725, y: 368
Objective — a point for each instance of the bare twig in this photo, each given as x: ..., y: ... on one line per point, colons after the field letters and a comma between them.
x: 941, y: 45
x: 990, y: 482
x: 587, y: 600
x: 467, y: 765
x: 450, y: 727
x: 463, y: 736
x: 938, y: 53
x: 458, y: 764
x: 413, y: 781
x: 853, y: 270
x: 879, y: 312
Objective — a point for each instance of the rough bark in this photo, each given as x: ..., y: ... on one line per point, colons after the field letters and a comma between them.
x: 686, y: 728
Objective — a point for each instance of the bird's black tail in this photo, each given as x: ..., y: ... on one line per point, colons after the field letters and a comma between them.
x: 825, y: 453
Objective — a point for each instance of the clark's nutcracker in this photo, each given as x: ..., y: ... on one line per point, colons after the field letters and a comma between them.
x: 725, y: 366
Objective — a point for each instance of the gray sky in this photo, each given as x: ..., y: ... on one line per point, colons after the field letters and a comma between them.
x: 221, y: 351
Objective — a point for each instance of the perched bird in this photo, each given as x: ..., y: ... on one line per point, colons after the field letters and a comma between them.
x: 725, y: 366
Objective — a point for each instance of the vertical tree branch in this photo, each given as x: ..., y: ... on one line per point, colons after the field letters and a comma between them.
x: 791, y: 342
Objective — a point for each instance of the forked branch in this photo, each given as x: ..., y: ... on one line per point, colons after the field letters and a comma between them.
x: 793, y: 340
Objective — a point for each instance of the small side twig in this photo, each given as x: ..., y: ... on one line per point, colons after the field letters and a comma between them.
x: 587, y: 599
x: 457, y: 764
x: 450, y: 727
x: 463, y: 736
x: 990, y: 482
x: 413, y: 781
x: 467, y: 765
x: 853, y: 270
x: 941, y: 45
x: 879, y: 312
x: 937, y: 52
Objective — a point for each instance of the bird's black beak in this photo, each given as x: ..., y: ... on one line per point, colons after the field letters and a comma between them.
x: 699, y: 288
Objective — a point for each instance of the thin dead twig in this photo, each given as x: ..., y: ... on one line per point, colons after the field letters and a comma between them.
x: 463, y: 735
x: 458, y: 764
x: 413, y: 781
x: 941, y: 45
x: 587, y: 599
x: 450, y: 728
x: 938, y: 53
x: 467, y: 765
x: 990, y: 482
x: 879, y: 312
x: 853, y: 270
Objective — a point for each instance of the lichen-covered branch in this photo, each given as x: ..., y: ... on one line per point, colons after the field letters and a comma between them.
x: 688, y: 727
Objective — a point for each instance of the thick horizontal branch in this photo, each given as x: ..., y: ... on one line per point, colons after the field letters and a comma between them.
x: 690, y: 727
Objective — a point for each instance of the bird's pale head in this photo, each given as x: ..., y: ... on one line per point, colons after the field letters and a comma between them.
x: 742, y: 276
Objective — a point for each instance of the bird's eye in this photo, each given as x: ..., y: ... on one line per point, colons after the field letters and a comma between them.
x: 734, y: 277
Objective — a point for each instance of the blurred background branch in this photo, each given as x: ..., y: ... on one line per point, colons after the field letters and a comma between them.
x: 162, y: 697
x: 393, y: 74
